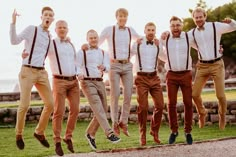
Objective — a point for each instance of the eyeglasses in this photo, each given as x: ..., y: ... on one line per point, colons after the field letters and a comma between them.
x: 173, y: 26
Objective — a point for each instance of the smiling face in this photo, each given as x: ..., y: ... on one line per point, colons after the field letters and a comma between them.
x: 61, y: 29
x: 176, y: 27
x: 47, y: 17
x: 121, y: 17
x: 150, y: 31
x: 92, y: 38
x: 199, y: 17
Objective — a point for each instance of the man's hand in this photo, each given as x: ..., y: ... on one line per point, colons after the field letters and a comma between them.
x: 156, y: 41
x: 221, y: 49
x: 101, y: 68
x: 24, y: 54
x: 80, y: 77
x: 85, y: 47
x: 164, y: 35
x: 139, y: 40
x: 14, y: 15
x: 227, y: 20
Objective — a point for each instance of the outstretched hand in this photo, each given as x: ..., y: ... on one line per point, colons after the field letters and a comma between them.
x: 14, y: 15
x: 227, y: 20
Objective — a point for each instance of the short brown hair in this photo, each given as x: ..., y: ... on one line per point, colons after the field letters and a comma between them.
x: 122, y: 10
x: 175, y: 18
x: 150, y: 24
x: 91, y: 31
x: 46, y: 8
x: 199, y: 9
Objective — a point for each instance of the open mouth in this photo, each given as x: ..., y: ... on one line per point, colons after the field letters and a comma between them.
x: 47, y: 22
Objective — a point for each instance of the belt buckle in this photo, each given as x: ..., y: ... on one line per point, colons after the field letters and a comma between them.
x: 70, y: 78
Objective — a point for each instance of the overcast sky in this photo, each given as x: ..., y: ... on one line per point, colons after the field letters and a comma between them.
x: 83, y: 15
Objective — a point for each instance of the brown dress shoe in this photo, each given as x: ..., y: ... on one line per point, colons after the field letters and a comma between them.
x: 69, y: 145
x: 116, y: 128
x: 155, y: 137
x: 124, y: 128
x: 20, y: 142
x: 222, y: 121
x: 58, y: 149
x: 202, y: 119
x: 42, y: 140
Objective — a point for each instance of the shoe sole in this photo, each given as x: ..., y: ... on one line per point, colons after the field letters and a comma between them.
x: 93, y: 148
x: 114, y: 142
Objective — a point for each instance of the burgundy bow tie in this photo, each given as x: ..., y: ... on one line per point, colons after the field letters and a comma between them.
x: 149, y: 42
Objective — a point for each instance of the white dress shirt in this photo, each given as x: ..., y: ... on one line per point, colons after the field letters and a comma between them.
x: 66, y: 56
x: 122, y: 40
x: 40, y: 47
x: 148, y: 54
x: 94, y: 58
x: 205, y: 38
x: 178, y: 52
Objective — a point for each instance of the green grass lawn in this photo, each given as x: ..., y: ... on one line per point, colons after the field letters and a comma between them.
x: 34, y: 149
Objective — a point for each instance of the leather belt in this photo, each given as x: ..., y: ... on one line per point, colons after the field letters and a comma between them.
x: 93, y: 79
x: 38, y: 68
x: 210, y: 61
x: 147, y: 73
x: 124, y: 61
x: 179, y: 72
x: 68, y: 78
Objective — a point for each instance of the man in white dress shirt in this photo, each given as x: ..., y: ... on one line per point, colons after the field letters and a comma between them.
x: 147, y: 81
x: 207, y: 37
x: 62, y: 59
x: 37, y: 42
x: 178, y: 63
x: 119, y: 39
x: 92, y: 63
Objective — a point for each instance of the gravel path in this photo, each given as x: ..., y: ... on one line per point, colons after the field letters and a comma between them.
x: 212, y: 148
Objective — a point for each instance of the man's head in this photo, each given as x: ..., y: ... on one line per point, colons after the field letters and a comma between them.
x: 61, y: 29
x: 47, y: 17
x: 92, y: 38
x: 150, y: 31
x: 121, y: 16
x: 176, y: 26
x: 199, y: 16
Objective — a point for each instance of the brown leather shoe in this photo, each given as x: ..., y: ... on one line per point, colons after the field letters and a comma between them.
x: 222, y: 121
x: 155, y: 137
x: 42, y: 140
x: 58, y: 149
x: 202, y: 119
x: 20, y: 142
x: 69, y: 145
x: 124, y: 128
x: 116, y: 128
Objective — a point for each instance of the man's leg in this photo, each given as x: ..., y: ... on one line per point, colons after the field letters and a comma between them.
x: 114, y: 77
x: 142, y: 111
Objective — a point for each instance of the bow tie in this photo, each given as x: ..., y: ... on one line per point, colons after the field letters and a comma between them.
x: 201, y: 28
x: 149, y: 42
x: 122, y: 27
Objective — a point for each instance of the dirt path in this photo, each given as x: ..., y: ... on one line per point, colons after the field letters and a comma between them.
x: 212, y: 148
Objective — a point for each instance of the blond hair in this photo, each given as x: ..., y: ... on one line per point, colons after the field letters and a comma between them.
x: 150, y: 24
x: 122, y: 11
x: 199, y: 10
